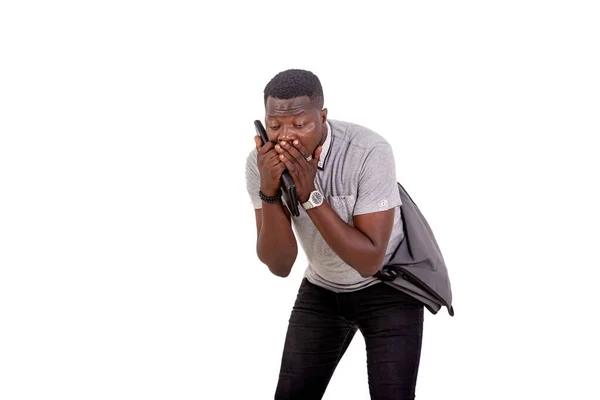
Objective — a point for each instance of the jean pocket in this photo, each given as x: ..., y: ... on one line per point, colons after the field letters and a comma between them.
x: 344, y: 207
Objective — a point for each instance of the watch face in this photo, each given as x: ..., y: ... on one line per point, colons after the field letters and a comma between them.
x: 316, y: 197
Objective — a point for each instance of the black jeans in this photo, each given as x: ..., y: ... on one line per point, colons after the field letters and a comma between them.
x: 322, y: 325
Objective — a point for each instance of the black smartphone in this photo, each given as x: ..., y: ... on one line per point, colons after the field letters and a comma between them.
x: 287, y: 183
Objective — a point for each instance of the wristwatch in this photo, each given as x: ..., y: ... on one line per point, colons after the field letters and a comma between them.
x: 314, y: 200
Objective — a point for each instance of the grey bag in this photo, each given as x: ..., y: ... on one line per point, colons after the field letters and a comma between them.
x: 418, y: 258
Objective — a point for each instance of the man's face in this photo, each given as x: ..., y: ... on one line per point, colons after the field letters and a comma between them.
x: 296, y: 117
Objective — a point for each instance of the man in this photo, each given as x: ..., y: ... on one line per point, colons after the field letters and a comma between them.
x: 349, y: 226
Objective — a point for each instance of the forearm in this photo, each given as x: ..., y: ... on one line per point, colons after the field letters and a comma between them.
x: 349, y: 243
x: 276, y: 245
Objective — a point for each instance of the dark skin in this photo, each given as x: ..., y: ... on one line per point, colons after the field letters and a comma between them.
x: 296, y: 129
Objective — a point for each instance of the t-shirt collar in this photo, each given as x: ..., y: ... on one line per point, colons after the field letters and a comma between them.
x: 326, y: 146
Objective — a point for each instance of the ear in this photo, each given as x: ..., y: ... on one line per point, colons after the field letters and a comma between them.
x: 323, y: 116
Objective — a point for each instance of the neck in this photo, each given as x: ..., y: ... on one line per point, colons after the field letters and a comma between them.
x: 324, y: 135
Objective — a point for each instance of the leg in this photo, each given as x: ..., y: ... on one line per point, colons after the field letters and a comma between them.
x: 392, y: 325
x: 316, y: 339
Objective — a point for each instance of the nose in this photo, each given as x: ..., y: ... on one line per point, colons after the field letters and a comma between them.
x: 285, y: 130
x: 279, y: 134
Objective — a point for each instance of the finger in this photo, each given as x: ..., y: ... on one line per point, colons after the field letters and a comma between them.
x: 300, y: 147
x: 267, y: 147
x: 271, y: 158
x: 289, y: 165
x: 293, y: 150
x: 281, y: 167
x: 290, y: 162
x: 257, y: 142
x: 284, y: 152
x: 276, y: 169
x: 317, y: 155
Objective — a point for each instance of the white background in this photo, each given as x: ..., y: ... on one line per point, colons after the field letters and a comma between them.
x: 127, y: 238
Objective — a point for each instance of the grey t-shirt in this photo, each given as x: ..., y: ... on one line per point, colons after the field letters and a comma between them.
x: 357, y: 175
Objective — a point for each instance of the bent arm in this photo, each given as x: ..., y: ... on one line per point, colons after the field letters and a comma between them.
x: 275, y: 241
x: 363, y: 246
x: 276, y: 244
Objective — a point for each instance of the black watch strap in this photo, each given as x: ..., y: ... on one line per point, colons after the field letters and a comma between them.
x: 269, y: 199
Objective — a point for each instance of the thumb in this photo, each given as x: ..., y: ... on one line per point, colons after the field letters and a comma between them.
x: 257, y: 142
x: 318, y: 151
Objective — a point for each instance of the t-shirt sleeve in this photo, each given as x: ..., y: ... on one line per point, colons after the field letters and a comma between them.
x: 377, y: 185
x: 253, y: 179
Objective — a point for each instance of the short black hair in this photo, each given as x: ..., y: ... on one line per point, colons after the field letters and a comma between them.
x: 295, y: 83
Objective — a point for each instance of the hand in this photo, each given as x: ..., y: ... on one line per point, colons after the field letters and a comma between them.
x: 270, y: 167
x: 293, y: 154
